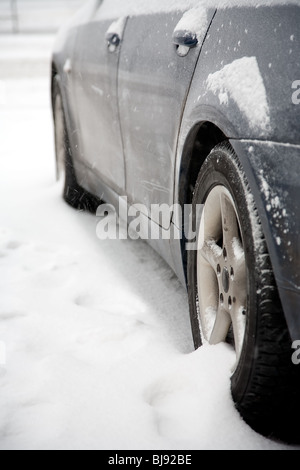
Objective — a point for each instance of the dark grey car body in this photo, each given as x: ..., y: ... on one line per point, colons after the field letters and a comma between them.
x: 142, y: 119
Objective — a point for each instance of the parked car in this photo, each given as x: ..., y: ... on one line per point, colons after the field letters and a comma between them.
x: 197, y: 104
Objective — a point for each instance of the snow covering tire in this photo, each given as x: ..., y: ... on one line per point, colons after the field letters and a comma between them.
x: 73, y: 193
x: 265, y: 383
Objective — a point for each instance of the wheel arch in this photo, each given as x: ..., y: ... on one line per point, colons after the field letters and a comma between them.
x: 200, y: 141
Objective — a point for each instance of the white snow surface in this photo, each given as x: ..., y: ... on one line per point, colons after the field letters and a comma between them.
x: 96, y: 333
x: 242, y: 82
x: 115, y: 8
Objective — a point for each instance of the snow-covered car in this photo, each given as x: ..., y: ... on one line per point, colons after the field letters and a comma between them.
x: 197, y: 104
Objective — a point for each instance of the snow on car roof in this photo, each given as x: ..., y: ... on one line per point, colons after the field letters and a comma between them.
x: 115, y: 8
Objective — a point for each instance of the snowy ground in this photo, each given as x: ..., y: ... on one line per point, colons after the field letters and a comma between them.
x: 35, y: 15
x: 99, y: 353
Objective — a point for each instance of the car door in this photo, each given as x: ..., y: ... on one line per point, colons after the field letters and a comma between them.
x: 155, y: 73
x: 94, y: 74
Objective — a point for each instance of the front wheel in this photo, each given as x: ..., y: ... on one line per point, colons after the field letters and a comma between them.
x: 233, y: 297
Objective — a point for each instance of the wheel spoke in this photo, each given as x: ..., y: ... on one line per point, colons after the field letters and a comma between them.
x: 238, y: 274
x: 211, y: 252
x: 238, y: 318
x: 221, y: 326
x: 240, y: 280
x: 230, y: 225
x: 209, y: 303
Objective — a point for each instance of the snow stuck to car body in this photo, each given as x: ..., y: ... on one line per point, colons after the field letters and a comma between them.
x: 241, y: 81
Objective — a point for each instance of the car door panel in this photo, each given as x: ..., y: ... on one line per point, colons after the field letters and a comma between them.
x: 95, y: 86
x: 153, y: 85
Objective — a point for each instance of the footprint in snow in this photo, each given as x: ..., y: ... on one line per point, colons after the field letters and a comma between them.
x: 13, y: 245
x: 159, y: 392
x: 7, y: 316
x: 85, y: 301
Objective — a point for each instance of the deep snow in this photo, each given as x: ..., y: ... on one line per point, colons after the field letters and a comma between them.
x: 99, y: 353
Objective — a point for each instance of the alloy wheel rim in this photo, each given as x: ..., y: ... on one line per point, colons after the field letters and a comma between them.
x: 221, y: 272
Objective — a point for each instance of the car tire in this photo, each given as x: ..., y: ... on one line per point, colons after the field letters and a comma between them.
x: 73, y: 193
x: 233, y: 295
